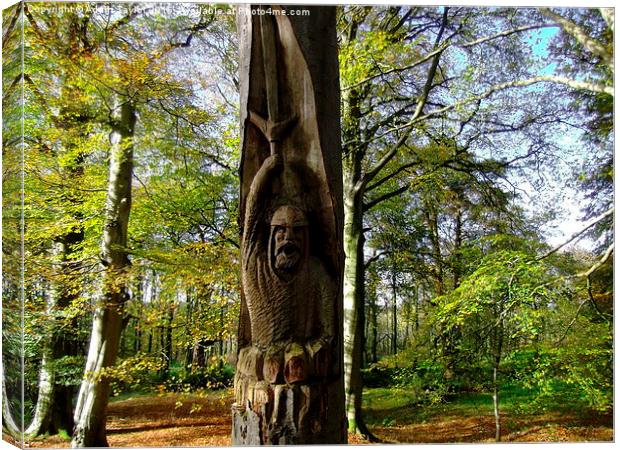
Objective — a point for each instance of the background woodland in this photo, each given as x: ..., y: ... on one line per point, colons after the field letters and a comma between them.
x: 478, y: 174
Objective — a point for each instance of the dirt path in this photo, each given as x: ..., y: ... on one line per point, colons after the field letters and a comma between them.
x: 175, y: 420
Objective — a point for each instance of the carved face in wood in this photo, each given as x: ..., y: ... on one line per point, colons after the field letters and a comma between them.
x: 289, y: 231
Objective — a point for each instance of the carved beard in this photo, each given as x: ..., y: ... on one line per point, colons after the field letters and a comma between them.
x: 287, y: 257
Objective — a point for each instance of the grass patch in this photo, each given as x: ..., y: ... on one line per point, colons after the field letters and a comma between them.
x: 390, y: 406
x: 64, y: 434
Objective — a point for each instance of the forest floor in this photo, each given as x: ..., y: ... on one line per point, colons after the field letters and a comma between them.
x: 199, y: 420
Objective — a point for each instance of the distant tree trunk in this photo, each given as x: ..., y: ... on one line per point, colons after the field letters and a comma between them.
x: 499, y: 341
x: 168, y: 341
x: 198, y: 356
x: 90, y: 413
x: 433, y: 228
x: 498, y: 431
x: 137, y: 327
x: 458, y: 243
x: 394, y: 314
x: 373, y: 325
x: 188, y: 321
x: 288, y: 383
x: 149, y: 346
x: 407, y: 318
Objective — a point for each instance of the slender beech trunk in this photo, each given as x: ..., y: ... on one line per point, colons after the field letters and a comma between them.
x: 354, y: 313
x: 354, y: 270
x: 498, y: 431
x: 499, y: 338
x: 394, y: 314
x: 90, y: 413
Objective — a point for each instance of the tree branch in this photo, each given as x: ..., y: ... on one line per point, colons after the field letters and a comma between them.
x: 574, y: 236
x: 498, y: 88
x: 574, y: 30
x: 598, y: 264
x: 445, y: 46
x: 376, y: 201
x: 391, y: 175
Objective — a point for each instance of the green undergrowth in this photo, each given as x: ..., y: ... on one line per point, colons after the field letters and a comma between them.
x: 393, y: 406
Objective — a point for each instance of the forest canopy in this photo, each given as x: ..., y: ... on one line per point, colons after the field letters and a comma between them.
x: 478, y: 190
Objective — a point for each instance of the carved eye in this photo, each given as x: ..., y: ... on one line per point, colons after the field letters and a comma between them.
x: 298, y: 230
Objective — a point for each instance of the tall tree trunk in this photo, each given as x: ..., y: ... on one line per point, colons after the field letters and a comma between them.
x: 354, y: 314
x: 354, y: 270
x: 90, y: 413
x: 289, y: 384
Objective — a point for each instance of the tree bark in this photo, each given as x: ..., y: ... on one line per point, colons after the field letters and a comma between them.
x: 8, y: 421
x: 41, y: 420
x: 354, y: 311
x: 288, y: 383
x: 90, y: 412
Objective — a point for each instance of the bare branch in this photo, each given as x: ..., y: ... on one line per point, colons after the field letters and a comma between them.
x: 574, y: 236
x: 445, y: 46
x: 498, y: 88
x: 391, y: 175
x: 598, y: 264
x: 581, y: 36
x: 384, y: 197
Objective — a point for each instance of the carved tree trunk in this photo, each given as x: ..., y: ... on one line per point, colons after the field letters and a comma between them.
x: 289, y: 378
x: 90, y: 411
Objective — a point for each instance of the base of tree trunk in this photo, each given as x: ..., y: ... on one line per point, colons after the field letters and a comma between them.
x: 297, y: 414
x: 270, y: 409
x: 358, y: 426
